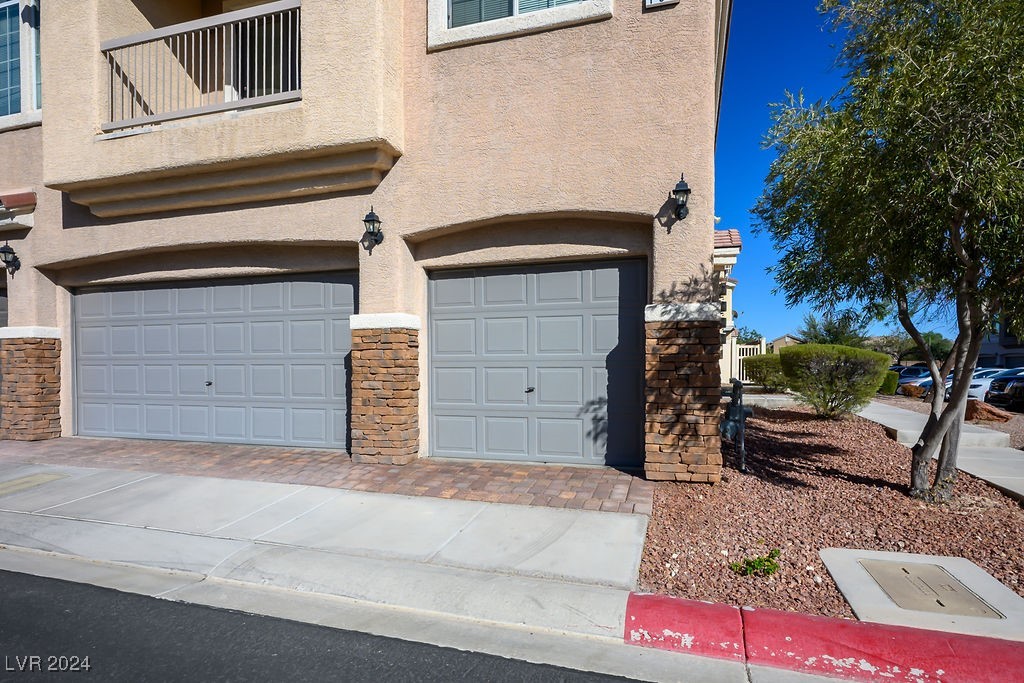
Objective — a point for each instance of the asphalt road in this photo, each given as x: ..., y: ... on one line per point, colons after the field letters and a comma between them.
x: 52, y: 630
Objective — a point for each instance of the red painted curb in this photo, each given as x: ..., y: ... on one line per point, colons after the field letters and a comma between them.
x: 697, y: 628
x: 863, y: 651
x: 854, y: 650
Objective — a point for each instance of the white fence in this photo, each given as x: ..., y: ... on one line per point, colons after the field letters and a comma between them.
x: 732, y: 359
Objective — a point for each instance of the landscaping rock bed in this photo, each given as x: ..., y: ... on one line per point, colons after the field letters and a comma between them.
x: 816, y: 484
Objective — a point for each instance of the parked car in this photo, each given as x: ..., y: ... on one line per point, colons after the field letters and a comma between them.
x: 1007, y: 392
x: 979, y: 388
x: 924, y: 382
x: 913, y: 374
x: 979, y: 373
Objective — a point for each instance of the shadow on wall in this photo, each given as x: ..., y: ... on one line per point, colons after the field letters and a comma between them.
x: 699, y: 288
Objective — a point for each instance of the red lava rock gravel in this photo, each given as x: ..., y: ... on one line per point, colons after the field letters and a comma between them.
x: 816, y: 484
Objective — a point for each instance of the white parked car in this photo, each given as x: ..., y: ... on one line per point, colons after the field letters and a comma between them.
x: 980, y: 386
x: 979, y: 373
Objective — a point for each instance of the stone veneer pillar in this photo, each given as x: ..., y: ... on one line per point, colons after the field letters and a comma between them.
x: 29, y: 384
x: 385, y: 388
x: 683, y: 393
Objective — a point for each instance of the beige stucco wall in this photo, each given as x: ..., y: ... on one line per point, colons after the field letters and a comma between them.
x: 561, y: 145
x: 349, y: 58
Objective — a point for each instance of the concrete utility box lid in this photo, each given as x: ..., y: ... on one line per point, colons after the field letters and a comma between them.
x: 925, y: 591
x: 927, y: 588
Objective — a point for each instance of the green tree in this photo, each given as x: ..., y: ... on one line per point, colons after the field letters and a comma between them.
x: 902, y: 347
x: 748, y: 335
x: 897, y: 345
x: 937, y: 344
x: 845, y: 329
x: 907, y: 187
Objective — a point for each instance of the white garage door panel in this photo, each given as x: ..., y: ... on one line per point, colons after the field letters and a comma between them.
x: 258, y: 361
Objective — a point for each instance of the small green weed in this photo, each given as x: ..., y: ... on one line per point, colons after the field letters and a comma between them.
x: 762, y: 565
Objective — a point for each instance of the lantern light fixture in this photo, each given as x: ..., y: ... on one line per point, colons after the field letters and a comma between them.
x: 681, y: 194
x: 9, y: 259
x: 373, y: 235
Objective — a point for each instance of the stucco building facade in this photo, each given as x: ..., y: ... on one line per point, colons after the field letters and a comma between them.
x: 187, y: 183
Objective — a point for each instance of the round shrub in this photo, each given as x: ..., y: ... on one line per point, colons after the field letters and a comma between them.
x: 833, y: 379
x: 889, y: 383
x: 765, y: 370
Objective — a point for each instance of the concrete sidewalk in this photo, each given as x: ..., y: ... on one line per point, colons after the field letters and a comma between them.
x: 541, y: 584
x: 984, y: 453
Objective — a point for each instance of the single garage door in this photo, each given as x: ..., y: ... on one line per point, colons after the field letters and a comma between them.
x: 259, y: 361
x: 540, y: 364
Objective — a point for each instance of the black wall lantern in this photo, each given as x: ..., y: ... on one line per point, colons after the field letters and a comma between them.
x: 9, y: 259
x: 681, y: 193
x: 373, y: 235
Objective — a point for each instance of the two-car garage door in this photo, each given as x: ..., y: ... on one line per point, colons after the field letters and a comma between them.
x: 539, y: 363
x: 256, y: 361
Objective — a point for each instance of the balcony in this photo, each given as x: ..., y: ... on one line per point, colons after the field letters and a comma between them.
x: 238, y: 60
x: 152, y: 109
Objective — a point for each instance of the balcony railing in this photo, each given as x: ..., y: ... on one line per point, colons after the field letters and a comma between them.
x: 237, y: 60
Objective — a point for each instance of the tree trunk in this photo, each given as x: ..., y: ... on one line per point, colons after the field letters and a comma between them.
x: 920, y: 459
x: 943, y: 434
x: 945, y: 476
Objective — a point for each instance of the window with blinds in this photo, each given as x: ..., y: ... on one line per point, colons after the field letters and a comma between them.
x: 465, y: 12
x: 10, y: 59
x: 19, y: 57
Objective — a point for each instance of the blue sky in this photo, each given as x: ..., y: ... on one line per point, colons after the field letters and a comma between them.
x: 773, y: 47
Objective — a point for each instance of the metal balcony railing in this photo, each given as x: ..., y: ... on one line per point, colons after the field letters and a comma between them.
x: 237, y: 60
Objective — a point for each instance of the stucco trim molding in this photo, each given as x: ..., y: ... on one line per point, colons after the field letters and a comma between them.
x: 376, y: 321
x: 440, y: 36
x: 683, y: 312
x: 30, y: 333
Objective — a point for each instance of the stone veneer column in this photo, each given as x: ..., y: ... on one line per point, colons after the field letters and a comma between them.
x: 683, y: 393
x: 385, y: 388
x: 29, y: 383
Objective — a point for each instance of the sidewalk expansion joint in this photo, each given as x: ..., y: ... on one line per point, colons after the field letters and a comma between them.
x: 98, y: 493
x: 259, y: 510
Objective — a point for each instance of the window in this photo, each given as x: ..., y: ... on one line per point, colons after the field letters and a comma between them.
x: 460, y: 22
x: 464, y: 12
x: 20, y: 90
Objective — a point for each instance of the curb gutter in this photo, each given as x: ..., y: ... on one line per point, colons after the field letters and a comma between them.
x: 841, y: 648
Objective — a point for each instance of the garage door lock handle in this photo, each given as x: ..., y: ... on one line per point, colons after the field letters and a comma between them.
x: 209, y: 383
x: 530, y: 390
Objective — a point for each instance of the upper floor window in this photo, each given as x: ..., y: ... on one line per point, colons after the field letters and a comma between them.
x: 464, y: 12
x: 19, y: 57
x: 460, y: 22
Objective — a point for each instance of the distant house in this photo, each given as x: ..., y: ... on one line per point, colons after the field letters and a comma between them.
x: 784, y: 341
x: 1001, y: 350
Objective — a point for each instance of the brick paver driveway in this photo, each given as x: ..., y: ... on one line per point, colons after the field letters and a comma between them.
x: 589, y: 488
